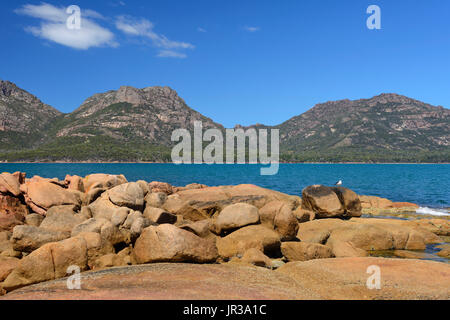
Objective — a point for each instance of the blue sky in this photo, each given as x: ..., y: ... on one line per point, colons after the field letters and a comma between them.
x: 236, y: 61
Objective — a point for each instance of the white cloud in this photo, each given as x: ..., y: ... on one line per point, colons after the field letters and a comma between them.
x: 171, y: 54
x: 133, y: 27
x: 91, y: 14
x: 251, y: 29
x: 118, y: 4
x: 201, y: 29
x: 53, y: 27
x: 140, y: 27
x: 44, y: 11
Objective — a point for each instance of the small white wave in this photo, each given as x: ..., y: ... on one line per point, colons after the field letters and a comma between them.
x: 434, y: 212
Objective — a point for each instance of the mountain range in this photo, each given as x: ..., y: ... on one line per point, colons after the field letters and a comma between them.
x: 132, y: 124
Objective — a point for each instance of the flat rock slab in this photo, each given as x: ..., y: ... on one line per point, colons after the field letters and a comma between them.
x: 172, y: 281
x: 345, y: 278
x: 338, y: 278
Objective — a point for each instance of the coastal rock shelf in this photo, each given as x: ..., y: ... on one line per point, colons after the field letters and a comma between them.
x: 339, y: 278
x: 109, y: 227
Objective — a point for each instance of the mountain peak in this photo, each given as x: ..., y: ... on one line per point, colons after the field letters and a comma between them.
x: 154, y: 96
x: 9, y: 92
x: 389, y: 95
x: 130, y: 114
x: 7, y: 87
x: 22, y: 116
x: 387, y: 121
x: 381, y: 127
x: 393, y: 97
x: 10, y: 89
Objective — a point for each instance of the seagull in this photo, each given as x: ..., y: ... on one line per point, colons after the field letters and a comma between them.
x: 339, y: 183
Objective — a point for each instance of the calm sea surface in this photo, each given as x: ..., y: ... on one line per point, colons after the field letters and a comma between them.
x: 425, y: 184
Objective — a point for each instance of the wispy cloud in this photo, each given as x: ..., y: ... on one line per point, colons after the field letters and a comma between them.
x: 199, y: 29
x: 140, y: 27
x: 118, y: 4
x: 53, y: 27
x: 171, y: 54
x: 252, y: 29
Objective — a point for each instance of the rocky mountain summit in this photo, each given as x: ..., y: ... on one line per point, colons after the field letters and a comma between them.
x: 128, y: 124
x: 100, y: 221
x: 131, y: 124
x: 385, y: 123
x: 149, y: 114
x: 23, y: 117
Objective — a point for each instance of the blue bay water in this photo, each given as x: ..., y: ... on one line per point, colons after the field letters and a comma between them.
x: 425, y: 184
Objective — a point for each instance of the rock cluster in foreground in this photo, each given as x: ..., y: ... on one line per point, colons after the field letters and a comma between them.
x: 102, y: 221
